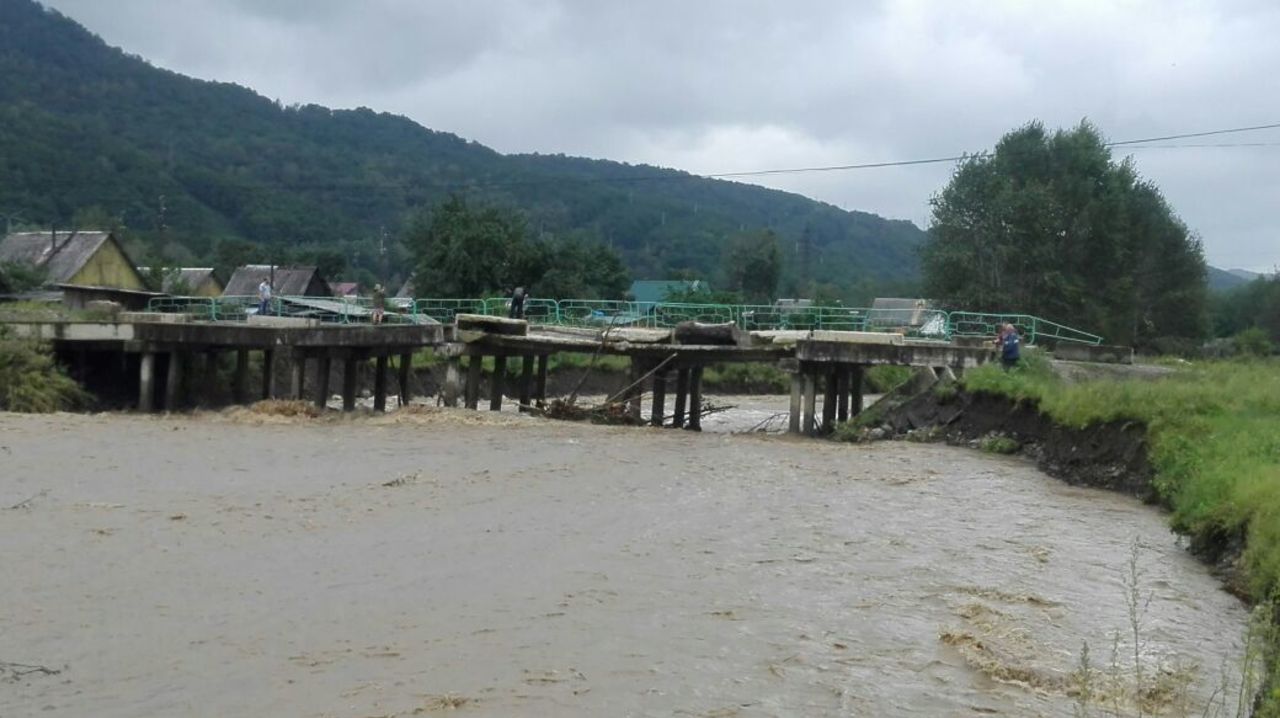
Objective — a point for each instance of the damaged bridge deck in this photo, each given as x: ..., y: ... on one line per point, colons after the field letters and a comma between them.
x: 661, y: 360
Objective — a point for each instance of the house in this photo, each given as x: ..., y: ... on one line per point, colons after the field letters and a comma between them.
x: 285, y: 281
x: 406, y: 289
x: 914, y: 315
x: 189, y: 281
x: 83, y: 265
x: 346, y: 289
x: 648, y: 292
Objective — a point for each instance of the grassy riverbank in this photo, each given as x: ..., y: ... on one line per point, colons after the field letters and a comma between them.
x: 1214, y: 434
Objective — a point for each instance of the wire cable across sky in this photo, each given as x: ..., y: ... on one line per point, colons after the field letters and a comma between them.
x: 1135, y: 144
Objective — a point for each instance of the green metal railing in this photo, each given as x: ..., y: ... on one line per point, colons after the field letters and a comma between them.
x: 1033, y: 329
x: 914, y: 322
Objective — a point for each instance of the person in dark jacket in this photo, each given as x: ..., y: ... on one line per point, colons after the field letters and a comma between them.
x: 517, y: 304
x: 1009, y: 344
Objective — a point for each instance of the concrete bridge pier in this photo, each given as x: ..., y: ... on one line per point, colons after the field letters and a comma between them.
x: 841, y: 386
x: 380, y: 383
x: 526, y: 381
x: 298, y: 376
x: 682, y: 397
x: 498, y: 383
x: 349, y: 367
x: 658, y: 416
x: 240, y: 381
x: 268, y: 374
x: 472, y: 391
x: 324, y: 365
x: 405, y: 368
x: 695, y: 399
x: 173, y: 381
x: 452, y: 381
x: 147, y: 382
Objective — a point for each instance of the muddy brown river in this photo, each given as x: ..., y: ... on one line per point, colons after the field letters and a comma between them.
x: 461, y: 563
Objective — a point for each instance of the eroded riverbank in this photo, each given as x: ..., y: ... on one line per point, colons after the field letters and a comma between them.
x: 215, y: 566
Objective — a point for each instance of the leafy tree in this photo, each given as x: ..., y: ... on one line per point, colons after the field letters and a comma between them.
x: 16, y: 277
x: 466, y: 252
x: 1049, y: 224
x: 753, y: 265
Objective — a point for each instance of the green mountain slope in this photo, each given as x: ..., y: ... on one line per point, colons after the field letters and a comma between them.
x: 195, y: 168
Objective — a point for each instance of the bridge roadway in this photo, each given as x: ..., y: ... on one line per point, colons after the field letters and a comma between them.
x: 183, y: 352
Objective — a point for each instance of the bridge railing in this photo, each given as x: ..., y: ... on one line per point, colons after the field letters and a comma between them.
x: 914, y: 322
x: 1034, y: 329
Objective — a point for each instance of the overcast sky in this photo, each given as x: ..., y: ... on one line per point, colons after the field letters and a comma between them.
x: 725, y: 86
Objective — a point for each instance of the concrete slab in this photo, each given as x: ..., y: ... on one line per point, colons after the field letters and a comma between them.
x: 282, y: 322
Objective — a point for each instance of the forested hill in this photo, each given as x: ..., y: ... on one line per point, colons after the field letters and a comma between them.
x: 197, y: 170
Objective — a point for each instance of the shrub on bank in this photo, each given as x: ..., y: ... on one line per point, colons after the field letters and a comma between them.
x: 1213, y: 430
x: 31, y: 381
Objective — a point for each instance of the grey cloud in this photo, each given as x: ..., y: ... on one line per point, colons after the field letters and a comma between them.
x: 723, y: 85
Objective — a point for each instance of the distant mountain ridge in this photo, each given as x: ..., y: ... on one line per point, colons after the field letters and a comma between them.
x: 188, y: 164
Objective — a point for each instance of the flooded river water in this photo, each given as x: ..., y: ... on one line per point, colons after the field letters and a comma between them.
x: 505, y: 566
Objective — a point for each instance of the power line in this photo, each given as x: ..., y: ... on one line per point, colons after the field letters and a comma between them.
x: 1137, y: 144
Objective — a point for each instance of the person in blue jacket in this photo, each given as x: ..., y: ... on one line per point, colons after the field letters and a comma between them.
x: 1010, y: 345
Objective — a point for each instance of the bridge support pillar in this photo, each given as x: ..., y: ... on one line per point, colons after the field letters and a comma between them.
x: 403, y: 377
x: 324, y: 366
x: 797, y: 406
x: 842, y: 393
x: 240, y: 383
x: 855, y: 390
x: 452, y: 381
x: 810, y: 421
x: 147, y: 382
x: 695, y: 399
x: 634, y: 391
x: 472, y: 390
x: 540, y: 391
x: 173, y: 381
x: 526, y: 382
x: 659, y: 415
x: 268, y: 373
x: 682, y: 397
x: 298, y: 377
x: 349, y: 367
x: 830, y: 384
x: 498, y: 383
x: 380, y: 383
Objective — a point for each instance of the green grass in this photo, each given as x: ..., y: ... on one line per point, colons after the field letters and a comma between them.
x: 30, y: 380
x: 1000, y: 445
x: 1214, y: 434
x: 887, y: 377
x: 763, y: 377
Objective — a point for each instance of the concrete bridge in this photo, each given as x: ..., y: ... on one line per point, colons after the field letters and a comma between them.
x: 661, y: 360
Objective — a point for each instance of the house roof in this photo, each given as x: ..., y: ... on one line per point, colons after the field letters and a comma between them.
x: 289, y: 281
x: 61, y: 256
x: 406, y: 289
x: 192, y: 277
x: 343, y: 289
x: 899, y: 311
x: 656, y: 290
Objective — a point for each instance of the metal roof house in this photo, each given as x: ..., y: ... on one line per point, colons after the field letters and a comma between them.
x: 286, y: 281
x: 648, y: 292
x: 911, y: 314
x: 189, y: 281
x: 84, y: 265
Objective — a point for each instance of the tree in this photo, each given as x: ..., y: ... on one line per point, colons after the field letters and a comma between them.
x: 472, y: 252
x: 1050, y: 225
x: 753, y: 264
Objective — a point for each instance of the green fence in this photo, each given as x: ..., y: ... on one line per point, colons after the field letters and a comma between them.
x: 917, y: 323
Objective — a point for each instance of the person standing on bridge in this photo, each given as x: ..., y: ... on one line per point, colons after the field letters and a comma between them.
x: 516, y: 310
x: 264, y: 298
x: 1010, y: 346
x: 379, y: 303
